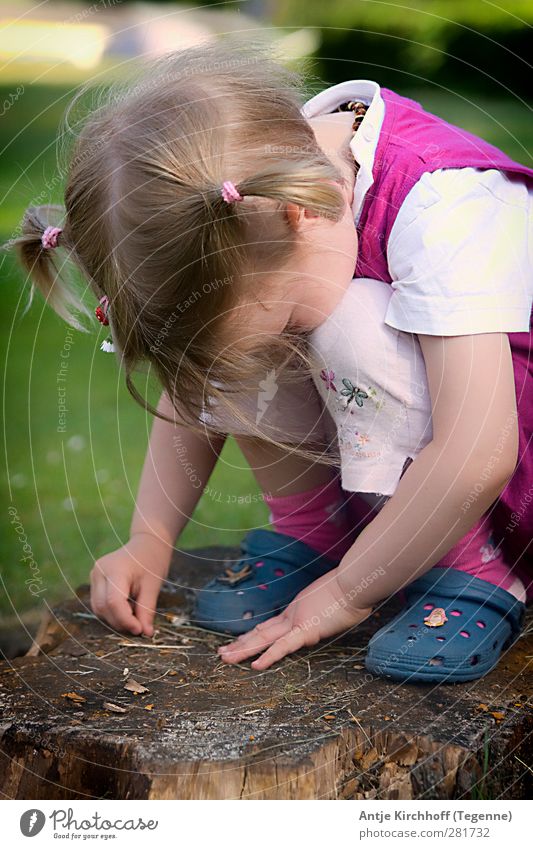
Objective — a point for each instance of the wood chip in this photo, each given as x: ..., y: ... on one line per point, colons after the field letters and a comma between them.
x: 498, y: 715
x: 114, y: 708
x: 148, y: 707
x: 135, y: 687
x: 329, y: 716
x: 176, y: 619
x: 482, y: 706
x: 74, y: 697
x: 369, y: 759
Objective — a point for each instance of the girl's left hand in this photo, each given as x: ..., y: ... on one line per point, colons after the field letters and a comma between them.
x: 321, y: 610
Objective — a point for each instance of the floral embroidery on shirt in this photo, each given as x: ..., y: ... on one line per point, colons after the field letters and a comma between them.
x: 350, y: 394
x: 372, y: 394
x: 355, y: 441
x: 328, y: 376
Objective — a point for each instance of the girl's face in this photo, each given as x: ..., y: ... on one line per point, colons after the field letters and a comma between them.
x: 315, y: 279
x: 308, y: 289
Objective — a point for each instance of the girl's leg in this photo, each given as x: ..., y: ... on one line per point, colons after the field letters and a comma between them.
x: 304, y: 497
x: 312, y: 529
x: 478, y: 554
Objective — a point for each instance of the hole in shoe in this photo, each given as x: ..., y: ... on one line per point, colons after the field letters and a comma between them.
x: 436, y: 661
x: 474, y: 660
x: 240, y: 592
x: 480, y: 623
x: 411, y: 639
x: 456, y: 612
x: 279, y: 573
x: 413, y: 626
x: 429, y: 606
x: 248, y: 614
x: 441, y: 639
x: 464, y: 633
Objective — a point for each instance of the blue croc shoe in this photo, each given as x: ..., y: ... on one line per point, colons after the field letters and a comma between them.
x: 454, y: 628
x: 273, y: 569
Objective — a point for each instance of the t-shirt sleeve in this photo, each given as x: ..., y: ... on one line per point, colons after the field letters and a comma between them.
x: 459, y: 255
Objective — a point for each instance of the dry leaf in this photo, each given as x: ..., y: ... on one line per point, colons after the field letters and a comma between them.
x: 482, y: 706
x: 498, y: 715
x: 148, y: 707
x: 75, y: 697
x: 114, y: 708
x: 329, y: 716
x: 135, y: 687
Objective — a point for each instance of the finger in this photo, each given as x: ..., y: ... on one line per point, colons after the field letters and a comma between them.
x: 254, y: 642
x: 287, y: 644
x: 264, y: 628
x: 118, y: 611
x: 98, y: 592
x: 145, y: 605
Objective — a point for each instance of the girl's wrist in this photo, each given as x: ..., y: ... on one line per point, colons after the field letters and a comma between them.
x: 152, y: 540
x: 351, y: 592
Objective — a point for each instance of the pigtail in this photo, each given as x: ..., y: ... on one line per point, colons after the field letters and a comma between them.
x: 37, y: 248
x: 312, y: 186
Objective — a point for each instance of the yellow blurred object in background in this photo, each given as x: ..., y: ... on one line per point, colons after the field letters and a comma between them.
x: 82, y: 45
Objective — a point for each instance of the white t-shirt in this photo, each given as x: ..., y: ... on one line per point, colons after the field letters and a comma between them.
x: 460, y: 252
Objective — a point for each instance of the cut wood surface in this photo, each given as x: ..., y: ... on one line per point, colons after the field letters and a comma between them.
x: 316, y: 726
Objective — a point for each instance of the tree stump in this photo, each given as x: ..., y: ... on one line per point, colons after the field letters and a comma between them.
x: 316, y: 726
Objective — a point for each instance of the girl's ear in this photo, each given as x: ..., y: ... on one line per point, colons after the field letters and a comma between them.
x: 296, y: 215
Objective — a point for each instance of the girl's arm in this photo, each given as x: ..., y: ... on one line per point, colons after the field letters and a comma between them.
x: 176, y: 468
x: 455, y: 478
x: 451, y: 483
x: 125, y: 583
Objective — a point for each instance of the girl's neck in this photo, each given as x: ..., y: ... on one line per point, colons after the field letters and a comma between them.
x: 333, y: 133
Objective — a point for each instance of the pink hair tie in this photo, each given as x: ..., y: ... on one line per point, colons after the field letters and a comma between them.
x: 50, y: 237
x: 230, y: 193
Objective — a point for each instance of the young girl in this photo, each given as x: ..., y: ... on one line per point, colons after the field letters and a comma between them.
x: 221, y: 221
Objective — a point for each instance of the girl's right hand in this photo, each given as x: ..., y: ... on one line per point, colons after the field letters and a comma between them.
x: 125, y: 583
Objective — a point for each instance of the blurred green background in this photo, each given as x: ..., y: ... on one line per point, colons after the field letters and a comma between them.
x: 74, y: 491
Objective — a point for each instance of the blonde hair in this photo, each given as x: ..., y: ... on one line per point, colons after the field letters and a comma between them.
x: 146, y: 223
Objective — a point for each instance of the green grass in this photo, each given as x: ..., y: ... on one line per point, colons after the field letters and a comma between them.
x: 74, y: 491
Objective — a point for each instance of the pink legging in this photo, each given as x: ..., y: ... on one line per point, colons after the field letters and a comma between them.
x: 477, y: 553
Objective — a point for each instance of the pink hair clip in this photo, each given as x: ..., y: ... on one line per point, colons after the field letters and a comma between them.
x: 230, y: 192
x: 50, y: 237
